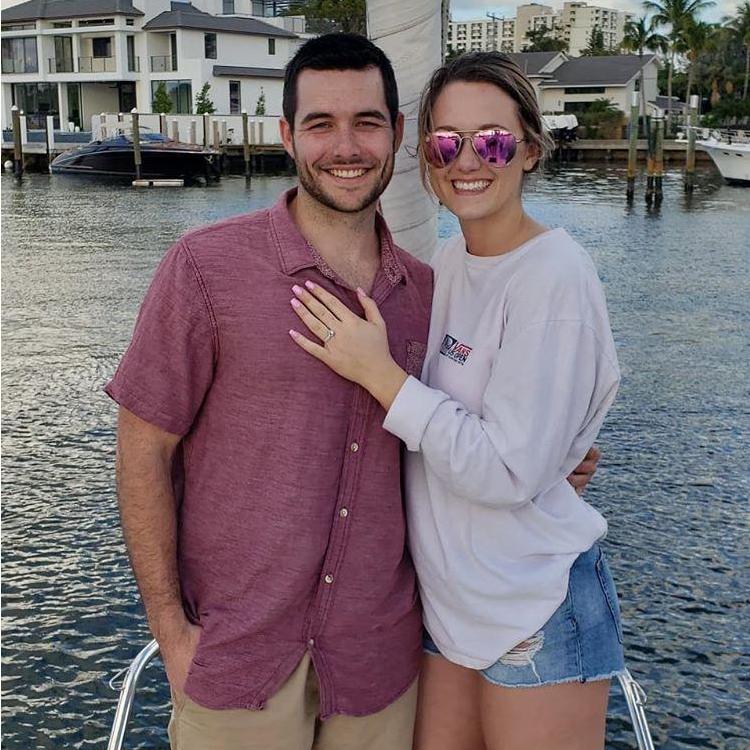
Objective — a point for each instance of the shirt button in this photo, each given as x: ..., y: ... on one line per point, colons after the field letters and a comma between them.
x: 344, y: 512
x: 354, y: 447
x: 311, y: 642
x: 328, y: 578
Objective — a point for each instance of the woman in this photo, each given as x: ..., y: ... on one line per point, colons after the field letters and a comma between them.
x: 521, y: 616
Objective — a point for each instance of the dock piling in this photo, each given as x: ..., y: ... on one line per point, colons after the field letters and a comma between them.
x: 102, y: 126
x: 206, y: 126
x: 217, y: 136
x: 650, y: 161
x: 136, y: 144
x: 49, y: 137
x: 175, y: 130
x: 17, y: 142
x: 632, y: 146
x: 690, y: 156
x: 246, y: 143
x: 193, y: 132
x: 163, y: 123
x: 260, y: 132
x: 658, y: 160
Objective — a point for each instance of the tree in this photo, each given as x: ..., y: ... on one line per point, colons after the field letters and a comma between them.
x: 601, y: 119
x: 542, y: 40
x: 161, y: 103
x: 596, y: 46
x: 331, y: 15
x: 260, y: 105
x: 696, y: 37
x: 740, y: 27
x: 203, y: 103
x: 641, y: 35
x: 674, y: 13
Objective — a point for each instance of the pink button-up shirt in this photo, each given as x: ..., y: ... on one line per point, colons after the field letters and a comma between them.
x: 291, y: 520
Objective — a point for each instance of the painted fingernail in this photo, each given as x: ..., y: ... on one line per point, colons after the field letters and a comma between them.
x: 361, y: 291
x: 309, y: 285
x: 296, y: 303
x: 293, y: 333
x: 297, y: 289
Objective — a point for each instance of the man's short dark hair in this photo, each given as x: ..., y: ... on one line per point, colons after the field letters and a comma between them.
x: 338, y: 52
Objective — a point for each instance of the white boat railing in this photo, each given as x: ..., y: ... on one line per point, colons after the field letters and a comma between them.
x: 635, y: 697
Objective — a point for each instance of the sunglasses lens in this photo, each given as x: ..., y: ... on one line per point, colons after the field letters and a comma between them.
x: 496, y: 147
x: 442, y: 149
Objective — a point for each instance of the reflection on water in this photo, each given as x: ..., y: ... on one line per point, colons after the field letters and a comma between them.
x: 77, y: 257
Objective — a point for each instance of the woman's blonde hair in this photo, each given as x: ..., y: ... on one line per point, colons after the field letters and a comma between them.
x: 499, y: 70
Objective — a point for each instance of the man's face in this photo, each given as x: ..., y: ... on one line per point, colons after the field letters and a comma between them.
x: 342, y: 143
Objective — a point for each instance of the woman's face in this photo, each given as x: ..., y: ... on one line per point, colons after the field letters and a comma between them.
x: 469, y: 187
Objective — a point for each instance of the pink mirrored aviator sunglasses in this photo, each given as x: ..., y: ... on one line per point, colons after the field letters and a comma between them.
x: 495, y: 147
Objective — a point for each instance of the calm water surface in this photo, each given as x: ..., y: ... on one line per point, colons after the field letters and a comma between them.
x: 675, y: 485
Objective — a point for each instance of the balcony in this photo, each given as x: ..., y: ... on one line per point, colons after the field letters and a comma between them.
x: 162, y: 64
x: 60, y: 65
x: 97, y: 65
x: 134, y: 65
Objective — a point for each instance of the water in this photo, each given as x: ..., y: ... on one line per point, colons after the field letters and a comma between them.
x: 675, y: 480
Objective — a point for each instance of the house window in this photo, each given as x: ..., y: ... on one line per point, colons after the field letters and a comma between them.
x: 96, y: 22
x: 62, y: 24
x: 130, y: 21
x: 227, y: 7
x: 181, y: 94
x: 19, y: 55
x: 130, y: 45
x: 19, y: 26
x: 101, y: 46
x: 235, y: 100
x: 209, y: 44
x: 271, y: 46
x: 63, y: 62
x: 37, y: 101
x: 584, y: 90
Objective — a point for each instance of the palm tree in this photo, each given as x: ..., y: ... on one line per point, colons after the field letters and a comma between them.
x: 740, y: 26
x: 641, y: 35
x: 674, y: 13
x: 696, y: 37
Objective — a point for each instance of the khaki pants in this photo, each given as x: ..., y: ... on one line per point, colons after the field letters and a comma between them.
x: 290, y: 722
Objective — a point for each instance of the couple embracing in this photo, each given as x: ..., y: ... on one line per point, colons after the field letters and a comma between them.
x: 349, y: 482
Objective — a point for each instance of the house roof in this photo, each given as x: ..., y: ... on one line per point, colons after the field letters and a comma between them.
x: 34, y: 10
x: 605, y: 70
x: 187, y: 16
x: 532, y: 63
x: 235, y: 70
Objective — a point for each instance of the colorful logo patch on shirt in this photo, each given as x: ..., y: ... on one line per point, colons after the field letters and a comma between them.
x: 455, y: 350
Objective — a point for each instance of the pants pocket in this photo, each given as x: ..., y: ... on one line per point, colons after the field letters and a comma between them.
x: 610, y: 594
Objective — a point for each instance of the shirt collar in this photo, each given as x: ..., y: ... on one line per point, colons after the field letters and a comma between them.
x: 296, y: 253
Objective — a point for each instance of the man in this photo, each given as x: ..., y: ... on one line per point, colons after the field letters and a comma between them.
x: 260, y: 498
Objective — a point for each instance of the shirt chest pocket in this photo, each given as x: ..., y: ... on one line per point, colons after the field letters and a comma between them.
x: 415, y: 354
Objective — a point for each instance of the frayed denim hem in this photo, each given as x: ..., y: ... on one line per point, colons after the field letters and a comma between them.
x: 563, y: 681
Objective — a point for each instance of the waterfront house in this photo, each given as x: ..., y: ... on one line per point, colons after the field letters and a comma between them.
x: 569, y: 84
x: 76, y: 58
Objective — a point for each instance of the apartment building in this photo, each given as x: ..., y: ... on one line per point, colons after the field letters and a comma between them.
x: 72, y: 59
x: 574, y: 23
x: 482, y: 34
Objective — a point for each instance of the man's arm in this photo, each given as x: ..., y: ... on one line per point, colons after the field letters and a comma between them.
x: 148, y: 515
x: 584, y: 472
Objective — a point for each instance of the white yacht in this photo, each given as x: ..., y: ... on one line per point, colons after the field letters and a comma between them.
x: 730, y: 151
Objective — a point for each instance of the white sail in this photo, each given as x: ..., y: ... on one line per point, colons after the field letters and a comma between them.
x: 410, y: 33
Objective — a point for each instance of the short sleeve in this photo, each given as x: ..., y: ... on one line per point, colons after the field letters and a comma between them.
x: 167, y: 370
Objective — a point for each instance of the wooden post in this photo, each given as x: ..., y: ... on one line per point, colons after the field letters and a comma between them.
x: 632, y: 147
x: 206, y: 125
x: 175, y: 130
x: 659, y: 160
x: 223, y: 132
x: 690, y: 156
x: 193, y: 131
x: 163, y: 123
x: 217, y: 137
x: 650, y: 162
x: 120, y: 123
x: 260, y: 132
x: 136, y: 144
x: 102, y: 126
x: 50, y: 138
x: 245, y: 143
x: 17, y: 143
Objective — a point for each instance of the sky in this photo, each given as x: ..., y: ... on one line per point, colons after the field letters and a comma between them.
x: 463, y: 9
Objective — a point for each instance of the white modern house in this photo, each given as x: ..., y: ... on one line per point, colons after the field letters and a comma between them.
x: 566, y: 85
x: 75, y: 58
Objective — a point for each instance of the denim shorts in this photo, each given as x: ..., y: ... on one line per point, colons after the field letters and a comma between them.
x: 581, y: 642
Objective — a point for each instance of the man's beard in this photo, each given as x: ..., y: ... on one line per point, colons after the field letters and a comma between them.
x: 313, y: 187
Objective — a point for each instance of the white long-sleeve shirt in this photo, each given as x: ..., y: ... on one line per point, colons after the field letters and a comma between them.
x: 519, y: 373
